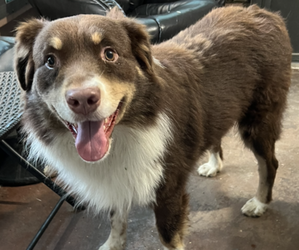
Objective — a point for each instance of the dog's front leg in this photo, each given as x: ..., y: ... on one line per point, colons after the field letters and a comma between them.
x: 117, y: 237
x: 171, y: 211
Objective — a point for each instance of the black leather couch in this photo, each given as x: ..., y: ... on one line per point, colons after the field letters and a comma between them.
x: 163, y: 19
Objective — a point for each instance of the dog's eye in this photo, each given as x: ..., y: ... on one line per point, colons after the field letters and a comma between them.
x: 110, y: 55
x: 50, y: 61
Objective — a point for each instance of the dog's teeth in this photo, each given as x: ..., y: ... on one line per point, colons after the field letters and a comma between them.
x: 74, y: 128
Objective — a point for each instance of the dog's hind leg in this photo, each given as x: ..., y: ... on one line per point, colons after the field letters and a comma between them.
x: 117, y: 237
x: 214, y: 165
x: 171, y: 213
x: 257, y: 205
x: 260, y: 137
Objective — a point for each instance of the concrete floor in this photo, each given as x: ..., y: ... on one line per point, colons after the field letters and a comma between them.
x: 215, y: 218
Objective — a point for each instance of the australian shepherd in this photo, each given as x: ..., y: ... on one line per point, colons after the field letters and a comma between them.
x: 124, y: 122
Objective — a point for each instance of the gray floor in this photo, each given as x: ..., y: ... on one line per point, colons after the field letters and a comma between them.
x: 215, y: 218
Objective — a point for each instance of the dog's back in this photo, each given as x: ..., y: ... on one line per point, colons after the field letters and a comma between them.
x: 243, y: 58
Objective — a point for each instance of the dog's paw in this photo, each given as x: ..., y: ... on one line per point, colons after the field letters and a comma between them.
x: 254, y: 208
x: 104, y: 247
x: 109, y: 246
x: 208, y: 170
x: 212, y: 167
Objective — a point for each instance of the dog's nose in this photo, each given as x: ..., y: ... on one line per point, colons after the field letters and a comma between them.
x: 83, y: 101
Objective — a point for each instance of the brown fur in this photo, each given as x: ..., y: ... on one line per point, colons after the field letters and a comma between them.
x: 231, y: 67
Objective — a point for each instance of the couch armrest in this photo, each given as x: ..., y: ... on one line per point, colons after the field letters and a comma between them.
x: 163, y: 19
x: 57, y: 9
x: 173, y: 17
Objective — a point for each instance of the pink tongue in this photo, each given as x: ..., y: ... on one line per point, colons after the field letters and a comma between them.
x: 91, y: 141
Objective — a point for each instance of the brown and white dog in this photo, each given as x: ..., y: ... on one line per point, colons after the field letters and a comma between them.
x: 124, y: 122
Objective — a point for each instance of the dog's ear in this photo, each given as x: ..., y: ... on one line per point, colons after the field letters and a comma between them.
x: 25, y: 38
x: 140, y: 43
x: 139, y: 37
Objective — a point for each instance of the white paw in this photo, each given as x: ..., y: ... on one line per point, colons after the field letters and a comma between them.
x: 208, y: 170
x: 254, y: 208
x: 108, y: 246
x: 104, y: 247
x: 212, y: 167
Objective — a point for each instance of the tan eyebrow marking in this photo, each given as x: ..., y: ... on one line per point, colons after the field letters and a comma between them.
x: 96, y: 37
x: 56, y: 43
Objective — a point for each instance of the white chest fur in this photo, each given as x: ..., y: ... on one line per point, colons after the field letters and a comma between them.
x: 129, y: 174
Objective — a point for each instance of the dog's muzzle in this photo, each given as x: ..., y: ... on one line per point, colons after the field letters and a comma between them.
x: 91, y: 137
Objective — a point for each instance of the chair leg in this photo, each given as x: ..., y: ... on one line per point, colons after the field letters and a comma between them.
x: 47, y: 181
x: 46, y: 223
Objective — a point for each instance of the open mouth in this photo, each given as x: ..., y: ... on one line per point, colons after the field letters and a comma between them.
x: 108, y: 125
x: 92, y: 137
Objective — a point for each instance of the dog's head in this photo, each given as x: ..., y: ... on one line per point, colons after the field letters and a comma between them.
x: 86, y: 70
